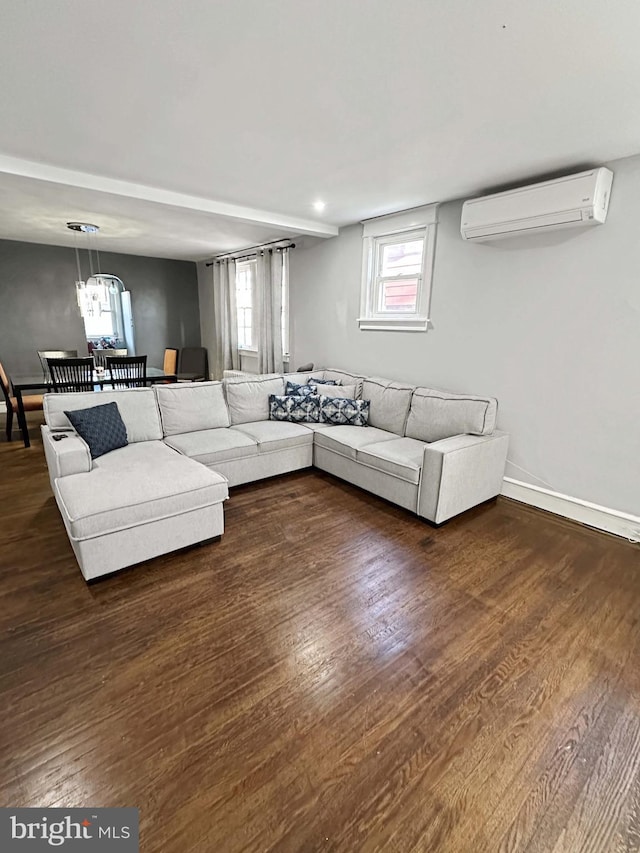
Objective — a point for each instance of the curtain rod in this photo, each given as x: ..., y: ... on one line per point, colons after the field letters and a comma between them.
x: 249, y: 251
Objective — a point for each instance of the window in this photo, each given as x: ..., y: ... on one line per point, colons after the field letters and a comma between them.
x: 100, y: 312
x: 397, y: 264
x: 285, y: 310
x: 245, y: 299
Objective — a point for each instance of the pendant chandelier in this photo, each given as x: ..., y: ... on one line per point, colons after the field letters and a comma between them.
x: 96, y: 290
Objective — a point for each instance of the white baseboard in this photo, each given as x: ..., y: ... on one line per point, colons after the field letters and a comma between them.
x: 601, y: 517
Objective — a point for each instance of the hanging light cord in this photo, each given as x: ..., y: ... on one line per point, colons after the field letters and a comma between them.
x: 89, y: 241
x: 78, y: 263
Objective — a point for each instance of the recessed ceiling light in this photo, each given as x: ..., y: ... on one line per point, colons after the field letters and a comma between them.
x: 319, y: 206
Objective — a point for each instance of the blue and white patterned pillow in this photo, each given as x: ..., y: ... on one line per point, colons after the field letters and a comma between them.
x: 299, y: 390
x: 297, y: 408
x: 338, y: 410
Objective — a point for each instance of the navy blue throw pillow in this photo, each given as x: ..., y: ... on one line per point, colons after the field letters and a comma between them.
x: 298, y: 390
x: 101, y: 427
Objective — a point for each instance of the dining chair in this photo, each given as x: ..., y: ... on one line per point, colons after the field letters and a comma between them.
x: 169, y: 365
x: 31, y: 402
x: 44, y: 354
x: 170, y: 361
x: 100, y: 356
x: 127, y: 371
x: 71, y: 374
x: 193, y: 364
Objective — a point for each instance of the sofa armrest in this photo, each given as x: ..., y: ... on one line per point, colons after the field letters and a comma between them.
x: 461, y: 472
x: 69, y: 455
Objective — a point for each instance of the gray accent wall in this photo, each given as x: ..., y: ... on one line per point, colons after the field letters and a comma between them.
x: 549, y: 324
x: 207, y: 330
x: 38, y: 304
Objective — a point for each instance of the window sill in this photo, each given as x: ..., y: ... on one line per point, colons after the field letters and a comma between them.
x: 394, y: 324
x: 254, y: 351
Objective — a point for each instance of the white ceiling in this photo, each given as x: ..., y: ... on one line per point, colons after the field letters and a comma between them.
x: 118, y: 112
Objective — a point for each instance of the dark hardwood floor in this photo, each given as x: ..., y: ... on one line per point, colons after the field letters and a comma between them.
x: 333, y: 675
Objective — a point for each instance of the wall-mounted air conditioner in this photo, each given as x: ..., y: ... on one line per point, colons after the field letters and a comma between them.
x: 568, y: 202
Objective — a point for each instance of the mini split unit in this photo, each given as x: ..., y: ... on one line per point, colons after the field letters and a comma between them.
x: 569, y: 202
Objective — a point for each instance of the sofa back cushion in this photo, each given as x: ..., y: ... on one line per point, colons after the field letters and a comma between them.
x: 390, y: 403
x: 249, y: 401
x: 137, y: 407
x: 192, y: 406
x: 437, y: 414
x: 342, y: 377
x: 298, y: 378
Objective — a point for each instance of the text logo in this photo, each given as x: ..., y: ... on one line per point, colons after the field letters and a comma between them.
x: 35, y: 830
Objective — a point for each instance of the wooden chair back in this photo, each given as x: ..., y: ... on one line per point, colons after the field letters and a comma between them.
x: 44, y: 354
x: 100, y: 356
x: 170, y: 362
x: 6, y: 387
x: 71, y: 374
x: 127, y: 371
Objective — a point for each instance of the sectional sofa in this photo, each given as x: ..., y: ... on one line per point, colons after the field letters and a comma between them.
x: 433, y: 453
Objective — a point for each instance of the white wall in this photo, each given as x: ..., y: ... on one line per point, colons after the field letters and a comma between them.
x: 549, y: 324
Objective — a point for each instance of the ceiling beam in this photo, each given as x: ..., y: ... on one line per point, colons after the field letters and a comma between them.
x: 98, y: 183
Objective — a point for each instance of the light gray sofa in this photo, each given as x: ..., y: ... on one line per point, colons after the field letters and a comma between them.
x: 433, y: 453
x: 134, y: 503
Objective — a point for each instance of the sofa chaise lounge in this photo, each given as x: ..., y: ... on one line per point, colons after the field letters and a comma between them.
x: 433, y: 453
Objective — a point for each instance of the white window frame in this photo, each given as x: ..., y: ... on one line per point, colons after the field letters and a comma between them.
x: 285, y: 315
x: 409, y: 225
x: 249, y: 263
x: 110, y: 305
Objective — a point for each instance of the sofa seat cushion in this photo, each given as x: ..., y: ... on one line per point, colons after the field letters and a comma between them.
x: 142, y: 487
x: 275, y: 435
x: 347, y: 440
x: 401, y: 457
x: 319, y: 427
x: 209, y: 446
x: 142, y: 453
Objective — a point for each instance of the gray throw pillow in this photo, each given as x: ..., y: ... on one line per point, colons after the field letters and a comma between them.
x: 313, y: 381
x: 348, y: 391
x: 101, y: 427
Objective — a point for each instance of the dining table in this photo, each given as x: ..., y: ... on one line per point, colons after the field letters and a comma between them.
x: 38, y: 382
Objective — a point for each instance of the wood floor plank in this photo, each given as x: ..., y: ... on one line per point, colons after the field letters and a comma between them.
x: 333, y: 675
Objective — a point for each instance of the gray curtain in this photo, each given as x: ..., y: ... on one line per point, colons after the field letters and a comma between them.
x: 272, y: 269
x: 225, y: 320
